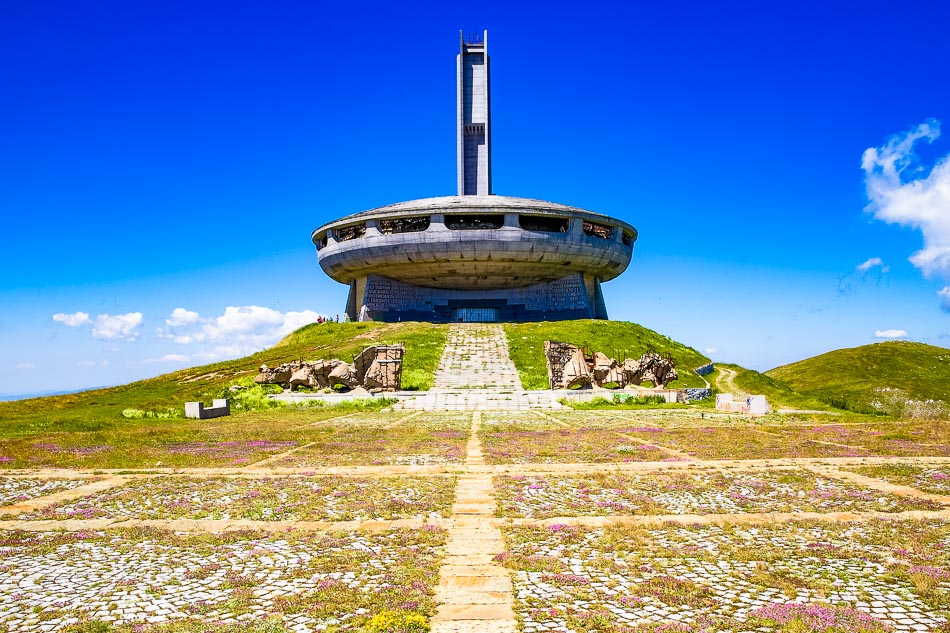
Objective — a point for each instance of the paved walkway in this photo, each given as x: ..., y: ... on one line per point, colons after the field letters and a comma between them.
x: 476, y: 373
x: 476, y: 357
x: 474, y: 591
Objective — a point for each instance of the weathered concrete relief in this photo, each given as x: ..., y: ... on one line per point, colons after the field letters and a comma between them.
x: 376, y: 368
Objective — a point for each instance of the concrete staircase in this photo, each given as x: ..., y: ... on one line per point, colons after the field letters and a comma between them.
x: 476, y: 372
x: 476, y: 357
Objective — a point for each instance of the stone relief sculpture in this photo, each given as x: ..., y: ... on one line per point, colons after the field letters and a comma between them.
x: 569, y: 368
x: 376, y: 368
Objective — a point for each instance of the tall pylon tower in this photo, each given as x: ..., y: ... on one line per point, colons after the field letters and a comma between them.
x: 474, y: 117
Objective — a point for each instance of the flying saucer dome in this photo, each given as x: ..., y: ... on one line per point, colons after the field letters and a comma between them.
x: 474, y: 242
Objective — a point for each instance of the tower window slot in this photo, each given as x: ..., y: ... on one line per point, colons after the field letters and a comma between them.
x: 404, y: 225
x: 474, y: 222
x: 593, y: 229
x: 351, y: 232
x: 543, y: 223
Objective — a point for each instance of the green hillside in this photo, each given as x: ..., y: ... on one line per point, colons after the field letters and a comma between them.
x: 424, y: 343
x: 614, y: 338
x: 849, y: 378
x: 729, y: 378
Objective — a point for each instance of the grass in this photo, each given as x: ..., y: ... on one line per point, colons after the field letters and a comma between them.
x: 533, y: 444
x: 263, y: 499
x: 100, y: 410
x: 849, y: 378
x: 617, y: 401
x: 689, y: 492
x: 613, y: 338
x: 361, y: 437
x: 779, y: 394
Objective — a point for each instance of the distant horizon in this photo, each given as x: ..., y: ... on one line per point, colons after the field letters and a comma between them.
x: 164, y: 167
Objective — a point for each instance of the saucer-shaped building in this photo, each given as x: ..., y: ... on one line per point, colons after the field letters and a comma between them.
x: 475, y: 256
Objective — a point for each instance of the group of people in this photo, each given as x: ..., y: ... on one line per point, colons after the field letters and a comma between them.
x: 322, y: 319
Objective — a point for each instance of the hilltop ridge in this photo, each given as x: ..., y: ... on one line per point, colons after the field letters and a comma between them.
x: 853, y: 378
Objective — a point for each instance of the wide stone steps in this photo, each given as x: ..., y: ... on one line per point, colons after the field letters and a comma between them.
x: 483, y: 399
x: 476, y: 357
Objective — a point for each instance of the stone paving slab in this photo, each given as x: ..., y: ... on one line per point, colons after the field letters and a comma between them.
x: 474, y: 591
x: 731, y: 578
x: 38, y: 503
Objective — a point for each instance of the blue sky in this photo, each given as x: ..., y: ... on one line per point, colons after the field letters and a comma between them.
x: 164, y: 163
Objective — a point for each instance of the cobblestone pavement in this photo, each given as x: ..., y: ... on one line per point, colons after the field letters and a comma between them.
x: 472, y: 545
x: 13, y: 489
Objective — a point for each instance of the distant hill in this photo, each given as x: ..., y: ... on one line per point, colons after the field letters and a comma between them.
x: 729, y: 378
x: 852, y: 378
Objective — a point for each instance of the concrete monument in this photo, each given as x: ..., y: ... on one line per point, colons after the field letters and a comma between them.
x: 474, y: 256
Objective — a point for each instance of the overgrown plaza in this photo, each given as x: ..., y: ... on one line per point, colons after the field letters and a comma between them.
x: 486, y: 519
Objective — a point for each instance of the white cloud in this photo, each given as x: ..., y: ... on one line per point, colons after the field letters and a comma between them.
x: 169, y: 358
x: 874, y: 262
x: 710, y: 350
x: 900, y: 191
x: 72, y: 320
x: 25, y: 366
x: 240, y: 330
x: 106, y: 327
x: 119, y: 326
x: 181, y: 316
x: 86, y: 363
x: 890, y: 333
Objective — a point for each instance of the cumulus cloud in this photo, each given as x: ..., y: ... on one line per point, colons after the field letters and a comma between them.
x: 119, y: 326
x: 72, y: 320
x: 890, y: 333
x: 105, y: 326
x: 873, y: 262
x: 239, y: 330
x: 902, y: 191
x: 710, y: 350
x: 181, y: 316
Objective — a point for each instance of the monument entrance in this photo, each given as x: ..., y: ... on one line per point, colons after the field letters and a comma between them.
x: 475, y: 315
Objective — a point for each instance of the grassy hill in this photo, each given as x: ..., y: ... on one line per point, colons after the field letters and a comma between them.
x: 729, y: 378
x: 102, y: 407
x: 614, y: 338
x: 849, y: 378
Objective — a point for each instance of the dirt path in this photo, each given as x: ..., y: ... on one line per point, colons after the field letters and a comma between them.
x: 725, y: 380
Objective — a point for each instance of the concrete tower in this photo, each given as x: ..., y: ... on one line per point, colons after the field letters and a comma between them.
x: 474, y: 117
